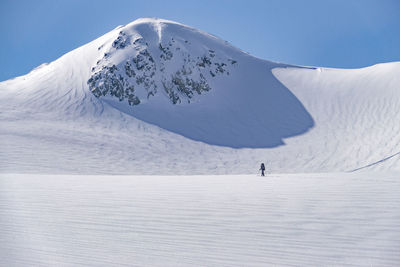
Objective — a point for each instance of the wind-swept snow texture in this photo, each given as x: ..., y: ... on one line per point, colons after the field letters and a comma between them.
x: 356, y: 114
x: 280, y: 220
x: 156, y: 96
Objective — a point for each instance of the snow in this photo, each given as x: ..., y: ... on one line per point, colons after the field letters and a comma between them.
x: 331, y: 219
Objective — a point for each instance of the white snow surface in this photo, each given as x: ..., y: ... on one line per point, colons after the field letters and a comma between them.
x: 296, y: 119
x: 331, y: 219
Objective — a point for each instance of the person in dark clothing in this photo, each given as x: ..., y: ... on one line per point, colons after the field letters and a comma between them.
x: 262, y: 169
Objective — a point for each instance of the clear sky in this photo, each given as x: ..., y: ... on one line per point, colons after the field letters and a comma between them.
x: 329, y: 33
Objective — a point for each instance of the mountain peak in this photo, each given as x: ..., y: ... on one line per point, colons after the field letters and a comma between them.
x: 194, y: 84
x: 176, y: 77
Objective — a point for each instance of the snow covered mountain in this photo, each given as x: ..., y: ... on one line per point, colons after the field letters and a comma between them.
x: 195, y: 84
x: 156, y: 96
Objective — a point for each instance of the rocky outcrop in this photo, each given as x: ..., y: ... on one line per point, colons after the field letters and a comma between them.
x: 148, y: 69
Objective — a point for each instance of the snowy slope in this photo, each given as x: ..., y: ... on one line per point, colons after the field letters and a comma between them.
x: 285, y: 220
x: 356, y: 114
x: 156, y: 96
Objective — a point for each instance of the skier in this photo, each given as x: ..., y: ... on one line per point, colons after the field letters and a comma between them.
x: 262, y: 169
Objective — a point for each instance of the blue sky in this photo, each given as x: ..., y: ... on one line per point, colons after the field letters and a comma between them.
x: 329, y: 33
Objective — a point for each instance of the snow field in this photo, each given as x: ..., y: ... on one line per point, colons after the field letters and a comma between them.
x: 336, y: 219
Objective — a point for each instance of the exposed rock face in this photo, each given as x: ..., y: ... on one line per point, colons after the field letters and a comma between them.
x: 148, y: 68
